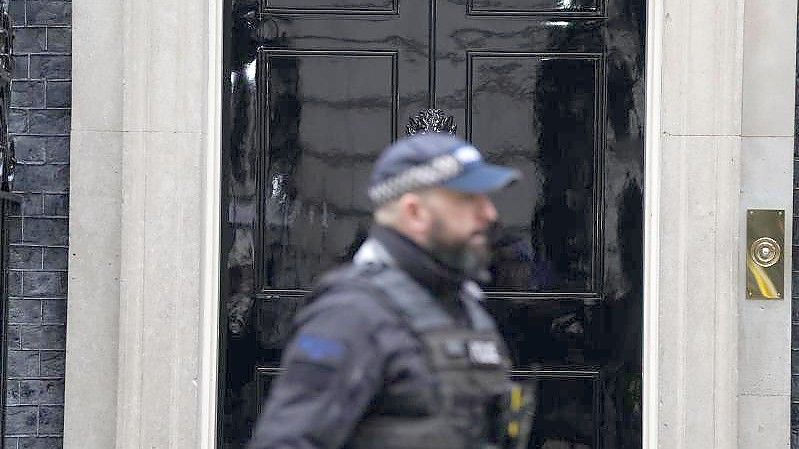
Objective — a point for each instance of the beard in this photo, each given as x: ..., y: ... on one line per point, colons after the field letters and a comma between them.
x: 470, y: 257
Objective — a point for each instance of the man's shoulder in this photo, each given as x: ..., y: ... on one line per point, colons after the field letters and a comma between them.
x: 348, y: 281
x: 348, y: 290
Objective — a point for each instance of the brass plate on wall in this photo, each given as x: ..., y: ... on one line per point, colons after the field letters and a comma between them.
x: 765, y: 254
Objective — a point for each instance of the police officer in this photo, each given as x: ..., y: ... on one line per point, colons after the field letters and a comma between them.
x: 395, y: 350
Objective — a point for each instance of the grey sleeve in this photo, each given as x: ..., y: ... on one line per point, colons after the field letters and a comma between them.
x: 333, y: 368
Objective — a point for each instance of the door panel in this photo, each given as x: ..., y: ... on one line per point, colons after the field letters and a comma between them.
x: 313, y: 203
x: 566, y: 408
x: 537, y: 112
x: 552, y: 87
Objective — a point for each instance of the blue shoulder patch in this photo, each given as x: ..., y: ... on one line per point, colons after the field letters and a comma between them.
x: 320, y: 349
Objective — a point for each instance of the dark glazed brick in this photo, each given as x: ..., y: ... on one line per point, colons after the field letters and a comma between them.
x: 29, y: 40
x: 51, y: 67
x: 27, y: 94
x: 54, y: 311
x: 24, y: 364
x: 18, y: 121
x: 49, y: 12
x: 53, y: 364
x: 56, y: 205
x: 11, y: 443
x: 58, y: 150
x: 15, y: 283
x: 31, y: 336
x: 21, y: 420
x: 42, y: 178
x: 46, y: 231
x: 25, y: 311
x: 795, y: 336
x: 21, y: 65
x: 55, y: 149
x: 32, y: 205
x: 55, y: 259
x: 15, y: 210
x: 26, y: 257
x: 16, y: 10
x: 55, y: 336
x: 27, y: 155
x: 59, y: 40
x: 43, y: 283
x: 42, y: 337
x: 14, y: 230
x: 40, y: 443
x: 35, y: 392
x: 12, y: 392
x: 49, y: 121
x: 51, y: 419
x: 59, y: 94
x: 13, y: 333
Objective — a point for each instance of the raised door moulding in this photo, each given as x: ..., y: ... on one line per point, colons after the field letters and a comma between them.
x: 302, y: 7
x: 595, y: 10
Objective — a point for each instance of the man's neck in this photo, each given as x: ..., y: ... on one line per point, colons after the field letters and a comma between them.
x: 418, y: 262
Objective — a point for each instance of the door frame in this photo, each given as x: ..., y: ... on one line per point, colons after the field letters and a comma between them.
x: 212, y: 215
x: 210, y: 259
x: 652, y: 144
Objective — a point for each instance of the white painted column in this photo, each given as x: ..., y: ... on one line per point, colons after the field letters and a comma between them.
x: 699, y: 178
x: 143, y: 301
x: 95, y: 221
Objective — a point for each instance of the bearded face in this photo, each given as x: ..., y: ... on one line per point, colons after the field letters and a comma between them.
x: 468, y: 252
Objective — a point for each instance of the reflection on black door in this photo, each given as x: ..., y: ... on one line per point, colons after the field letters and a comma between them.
x: 552, y: 87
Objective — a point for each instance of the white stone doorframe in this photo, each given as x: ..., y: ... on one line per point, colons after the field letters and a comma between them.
x: 145, y: 214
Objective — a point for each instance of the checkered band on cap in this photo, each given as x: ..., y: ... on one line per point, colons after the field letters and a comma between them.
x: 438, y: 170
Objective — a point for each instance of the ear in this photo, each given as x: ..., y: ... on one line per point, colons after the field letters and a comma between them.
x: 415, y: 214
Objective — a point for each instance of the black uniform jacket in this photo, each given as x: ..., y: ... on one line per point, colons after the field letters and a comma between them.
x: 346, y: 351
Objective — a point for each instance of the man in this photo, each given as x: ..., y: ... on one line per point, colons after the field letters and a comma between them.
x: 395, y: 350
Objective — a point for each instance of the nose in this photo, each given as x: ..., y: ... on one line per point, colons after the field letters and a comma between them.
x: 487, y: 209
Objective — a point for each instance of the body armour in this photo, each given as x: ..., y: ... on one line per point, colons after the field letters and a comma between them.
x: 462, y: 409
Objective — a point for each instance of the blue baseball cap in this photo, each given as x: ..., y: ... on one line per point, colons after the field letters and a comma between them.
x: 434, y: 160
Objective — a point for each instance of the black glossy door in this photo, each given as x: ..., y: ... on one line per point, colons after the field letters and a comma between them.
x: 552, y: 87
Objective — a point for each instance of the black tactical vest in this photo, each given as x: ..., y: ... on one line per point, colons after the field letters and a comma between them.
x: 470, y: 366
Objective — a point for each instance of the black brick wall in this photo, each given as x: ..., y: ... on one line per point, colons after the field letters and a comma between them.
x: 39, y: 124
